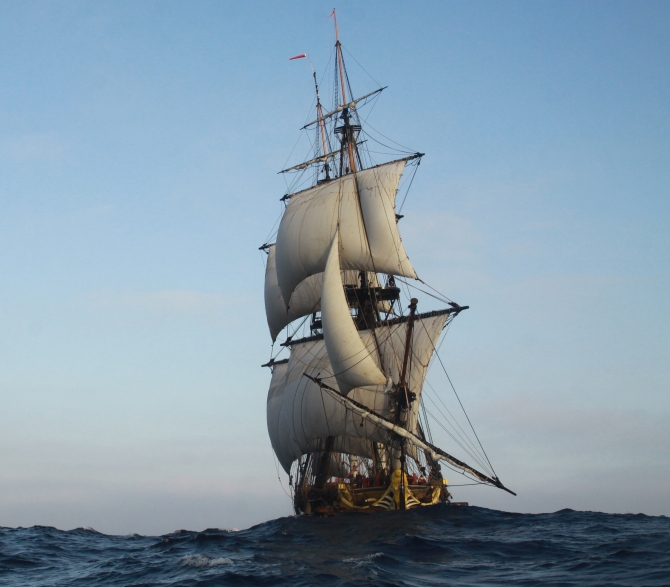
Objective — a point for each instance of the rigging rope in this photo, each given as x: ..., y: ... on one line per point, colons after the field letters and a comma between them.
x: 273, y: 232
x: 425, y: 419
x: 463, y: 437
x: 441, y: 299
x: 416, y: 168
x: 388, y: 139
x: 274, y: 457
x: 359, y: 65
x: 469, y: 453
x: 404, y: 150
x: 461, y: 403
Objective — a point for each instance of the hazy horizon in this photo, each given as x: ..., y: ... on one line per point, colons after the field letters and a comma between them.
x: 139, y: 150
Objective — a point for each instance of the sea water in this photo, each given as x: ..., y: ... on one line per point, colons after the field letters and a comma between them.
x: 441, y: 545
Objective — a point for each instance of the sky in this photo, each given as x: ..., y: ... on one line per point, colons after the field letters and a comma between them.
x: 139, y: 150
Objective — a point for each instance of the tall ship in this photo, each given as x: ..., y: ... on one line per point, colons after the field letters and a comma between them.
x: 345, y: 412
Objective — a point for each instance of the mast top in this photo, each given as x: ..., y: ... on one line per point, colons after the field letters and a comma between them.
x: 337, y: 33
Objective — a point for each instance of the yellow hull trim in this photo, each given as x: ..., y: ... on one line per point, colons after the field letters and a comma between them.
x: 391, y: 497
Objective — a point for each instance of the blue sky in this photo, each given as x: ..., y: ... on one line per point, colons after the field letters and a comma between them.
x: 139, y: 145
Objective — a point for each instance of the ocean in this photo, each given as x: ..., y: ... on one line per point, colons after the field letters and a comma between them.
x: 441, y: 545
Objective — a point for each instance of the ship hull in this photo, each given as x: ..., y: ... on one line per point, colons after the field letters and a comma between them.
x: 343, y: 495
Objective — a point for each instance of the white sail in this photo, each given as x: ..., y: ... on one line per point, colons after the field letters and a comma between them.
x: 350, y: 358
x: 392, y: 340
x: 278, y: 380
x: 299, y: 412
x: 377, y: 188
x: 306, y: 298
x: 369, y: 238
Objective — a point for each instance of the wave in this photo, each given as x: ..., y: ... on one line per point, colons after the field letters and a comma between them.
x: 441, y: 545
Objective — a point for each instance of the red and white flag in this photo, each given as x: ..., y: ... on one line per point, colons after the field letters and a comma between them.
x: 331, y: 14
x: 298, y: 56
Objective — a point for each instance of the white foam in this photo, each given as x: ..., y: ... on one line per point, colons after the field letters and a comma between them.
x: 197, y: 560
x: 359, y: 562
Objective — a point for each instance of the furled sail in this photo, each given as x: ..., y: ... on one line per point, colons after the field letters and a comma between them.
x: 299, y: 412
x: 362, y: 205
x: 351, y: 360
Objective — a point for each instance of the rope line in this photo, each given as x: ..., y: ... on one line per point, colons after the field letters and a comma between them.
x: 461, y: 403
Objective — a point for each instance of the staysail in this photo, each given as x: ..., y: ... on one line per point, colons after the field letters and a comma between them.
x: 362, y: 205
x: 351, y: 361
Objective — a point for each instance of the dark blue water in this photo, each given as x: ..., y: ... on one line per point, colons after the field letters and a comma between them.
x: 441, y: 545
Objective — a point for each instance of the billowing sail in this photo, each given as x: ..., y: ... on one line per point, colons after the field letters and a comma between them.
x: 350, y: 359
x: 306, y: 298
x: 278, y: 380
x: 427, y: 330
x: 299, y: 412
x: 362, y: 206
